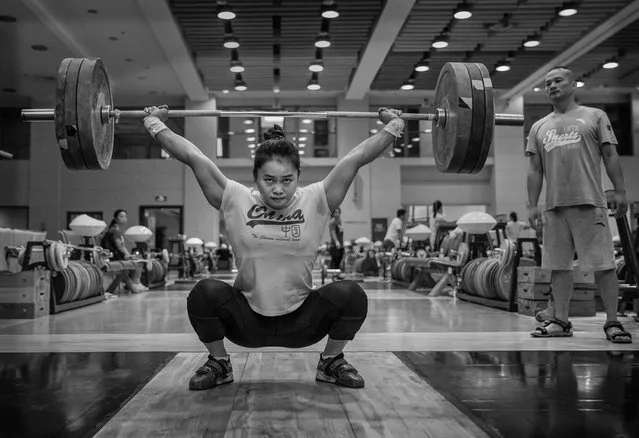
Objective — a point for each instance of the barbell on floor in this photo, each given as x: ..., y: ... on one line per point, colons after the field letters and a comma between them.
x: 84, y: 116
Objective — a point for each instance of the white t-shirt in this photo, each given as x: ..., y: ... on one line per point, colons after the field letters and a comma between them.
x: 514, y: 229
x: 394, y: 231
x: 274, y: 249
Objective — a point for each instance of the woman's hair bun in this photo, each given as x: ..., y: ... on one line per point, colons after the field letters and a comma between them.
x: 275, y: 132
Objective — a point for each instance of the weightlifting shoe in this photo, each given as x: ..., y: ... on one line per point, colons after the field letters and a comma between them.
x: 213, y: 373
x: 337, y: 371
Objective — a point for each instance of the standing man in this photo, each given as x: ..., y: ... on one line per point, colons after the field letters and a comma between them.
x: 567, y: 147
x: 395, y: 232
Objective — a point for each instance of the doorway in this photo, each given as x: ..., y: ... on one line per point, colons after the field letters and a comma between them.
x: 165, y: 223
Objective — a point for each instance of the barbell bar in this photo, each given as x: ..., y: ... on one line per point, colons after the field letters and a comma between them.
x: 84, y: 115
x: 48, y: 115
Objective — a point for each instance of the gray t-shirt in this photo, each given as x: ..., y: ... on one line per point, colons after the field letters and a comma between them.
x: 570, y: 146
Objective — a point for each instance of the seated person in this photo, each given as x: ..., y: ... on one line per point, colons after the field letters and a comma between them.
x: 113, y: 240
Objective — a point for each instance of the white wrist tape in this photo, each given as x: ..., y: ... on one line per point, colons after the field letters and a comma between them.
x: 154, y: 126
x: 395, y: 127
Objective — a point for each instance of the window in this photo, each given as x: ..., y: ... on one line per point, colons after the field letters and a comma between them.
x: 132, y: 141
x: 15, y: 135
x: 239, y: 136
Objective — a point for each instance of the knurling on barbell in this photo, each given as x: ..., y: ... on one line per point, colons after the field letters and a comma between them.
x: 463, y: 122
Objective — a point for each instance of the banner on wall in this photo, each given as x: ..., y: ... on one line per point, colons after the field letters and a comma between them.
x: 379, y: 227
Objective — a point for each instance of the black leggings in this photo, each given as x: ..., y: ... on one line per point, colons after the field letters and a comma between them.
x: 217, y: 310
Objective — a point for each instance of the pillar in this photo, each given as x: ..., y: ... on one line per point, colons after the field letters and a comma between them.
x: 200, y: 218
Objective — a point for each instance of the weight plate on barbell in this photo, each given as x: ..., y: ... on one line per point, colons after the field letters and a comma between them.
x: 96, y: 137
x: 477, y: 127
x: 489, y: 118
x: 451, y: 139
x: 70, y: 141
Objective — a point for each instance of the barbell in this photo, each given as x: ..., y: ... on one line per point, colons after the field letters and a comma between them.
x: 463, y: 121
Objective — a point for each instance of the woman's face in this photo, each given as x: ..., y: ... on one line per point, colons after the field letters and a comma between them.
x: 336, y: 213
x: 121, y: 218
x: 277, y: 182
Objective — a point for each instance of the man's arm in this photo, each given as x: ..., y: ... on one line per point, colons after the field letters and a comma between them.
x: 337, y: 183
x: 613, y: 169
x: 535, y: 179
x: 210, y: 178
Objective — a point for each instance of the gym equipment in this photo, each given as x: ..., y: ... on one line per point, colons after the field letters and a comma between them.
x: 84, y: 116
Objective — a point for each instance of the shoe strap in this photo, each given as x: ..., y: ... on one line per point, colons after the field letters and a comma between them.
x: 211, y: 366
x: 339, y: 366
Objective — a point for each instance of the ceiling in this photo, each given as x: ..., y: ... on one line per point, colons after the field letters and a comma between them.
x: 167, y: 51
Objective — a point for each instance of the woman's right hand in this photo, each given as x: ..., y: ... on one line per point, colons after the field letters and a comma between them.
x: 161, y: 112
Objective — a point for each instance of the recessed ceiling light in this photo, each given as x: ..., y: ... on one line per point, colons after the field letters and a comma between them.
x: 373, y: 131
x: 307, y: 121
x: 536, y: 89
x: 612, y: 64
x: 301, y: 152
x: 250, y: 138
x: 248, y: 122
x: 249, y: 131
x: 276, y: 89
x: 301, y: 145
x: 580, y: 84
x: 225, y: 91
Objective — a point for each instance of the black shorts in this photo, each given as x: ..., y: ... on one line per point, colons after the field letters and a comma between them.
x: 217, y: 311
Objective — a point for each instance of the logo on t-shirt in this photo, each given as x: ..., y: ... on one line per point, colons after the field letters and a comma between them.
x: 569, y: 136
x: 261, y: 215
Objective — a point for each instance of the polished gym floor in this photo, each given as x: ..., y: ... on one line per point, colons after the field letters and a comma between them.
x: 434, y: 367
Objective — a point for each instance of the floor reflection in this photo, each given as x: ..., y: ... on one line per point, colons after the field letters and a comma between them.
x: 68, y: 394
x: 539, y: 394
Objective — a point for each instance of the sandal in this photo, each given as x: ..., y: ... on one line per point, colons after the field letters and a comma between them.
x: 542, y: 332
x: 626, y: 338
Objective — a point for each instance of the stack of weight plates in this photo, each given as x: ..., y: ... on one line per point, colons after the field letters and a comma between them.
x: 56, y: 256
x: 155, y: 275
x: 78, y: 281
x: 490, y: 277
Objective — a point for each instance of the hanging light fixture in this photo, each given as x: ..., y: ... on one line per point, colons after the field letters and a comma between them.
x: 240, y: 85
x: 313, y: 84
x: 503, y: 66
x: 423, y: 64
x: 463, y: 11
x: 224, y: 12
x: 568, y: 9
x: 236, y: 64
x: 329, y: 9
x: 440, y: 42
x: 532, y: 41
x: 408, y: 84
x: 323, y: 39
